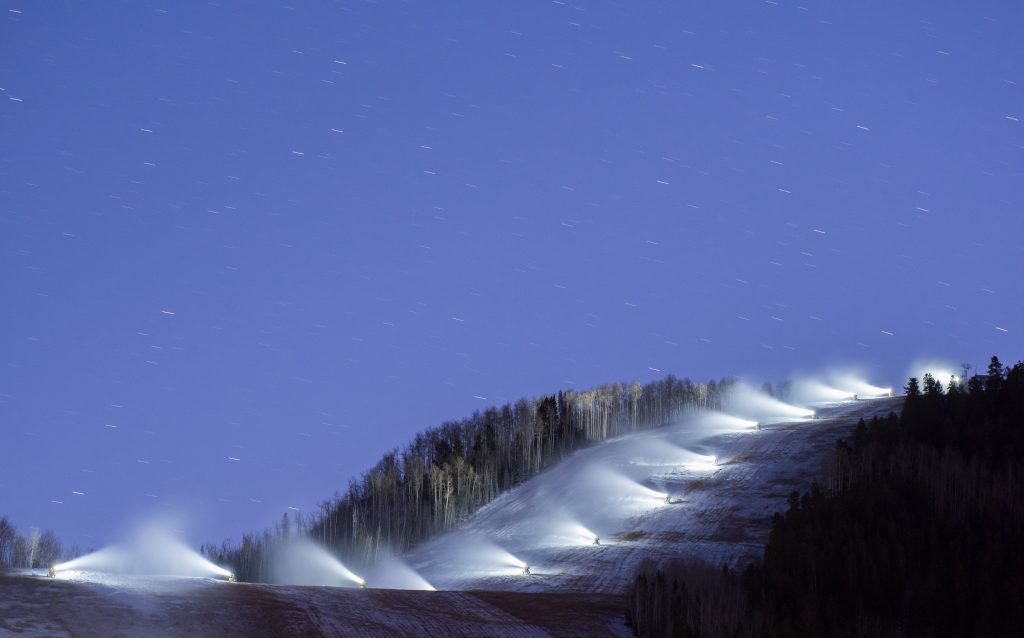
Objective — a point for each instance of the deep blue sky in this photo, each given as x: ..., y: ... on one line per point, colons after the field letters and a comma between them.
x: 297, y: 235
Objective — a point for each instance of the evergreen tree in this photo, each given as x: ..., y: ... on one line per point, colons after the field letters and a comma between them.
x: 912, y: 389
x: 995, y: 375
x: 931, y: 386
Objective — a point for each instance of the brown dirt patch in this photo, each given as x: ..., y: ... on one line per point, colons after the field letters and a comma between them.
x: 695, y: 485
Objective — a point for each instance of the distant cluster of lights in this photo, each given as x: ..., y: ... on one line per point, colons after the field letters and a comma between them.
x: 69, y: 567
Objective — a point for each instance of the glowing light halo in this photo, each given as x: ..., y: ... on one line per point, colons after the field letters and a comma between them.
x: 152, y: 552
x: 746, y: 402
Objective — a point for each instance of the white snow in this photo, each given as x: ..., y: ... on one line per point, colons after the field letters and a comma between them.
x: 615, y: 490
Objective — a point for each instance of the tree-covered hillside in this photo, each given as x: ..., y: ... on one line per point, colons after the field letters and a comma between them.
x: 448, y: 472
x: 916, y: 531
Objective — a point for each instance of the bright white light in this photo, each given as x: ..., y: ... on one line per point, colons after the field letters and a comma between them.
x: 300, y: 561
x: 704, y: 463
x: 941, y: 371
x: 152, y: 552
x: 860, y: 387
x: 649, y: 451
x: 510, y: 562
x: 813, y: 391
x: 625, y: 492
x: 721, y: 423
x: 750, y: 403
x: 577, y: 534
x: 474, y: 555
x: 645, y: 493
x: 393, y: 573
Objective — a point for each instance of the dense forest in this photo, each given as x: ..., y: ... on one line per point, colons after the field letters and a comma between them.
x: 448, y: 472
x: 30, y: 550
x: 915, y: 531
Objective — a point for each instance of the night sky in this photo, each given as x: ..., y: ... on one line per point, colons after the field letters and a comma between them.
x: 246, y: 249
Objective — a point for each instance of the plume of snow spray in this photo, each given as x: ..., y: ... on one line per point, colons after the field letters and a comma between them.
x: 859, y: 386
x: 300, y: 561
x: 812, y: 391
x: 752, y: 404
x: 393, y: 573
x: 151, y: 551
x: 714, y: 423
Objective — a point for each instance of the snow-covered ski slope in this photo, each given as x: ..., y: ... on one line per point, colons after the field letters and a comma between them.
x: 616, y: 491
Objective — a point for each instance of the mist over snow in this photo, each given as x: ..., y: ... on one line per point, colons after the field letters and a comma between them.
x: 150, y: 550
x: 749, y: 403
x: 393, y: 573
x: 300, y: 561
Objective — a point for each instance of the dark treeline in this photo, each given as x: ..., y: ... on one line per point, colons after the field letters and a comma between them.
x: 449, y: 472
x: 916, y: 532
x: 30, y: 550
x: 687, y: 597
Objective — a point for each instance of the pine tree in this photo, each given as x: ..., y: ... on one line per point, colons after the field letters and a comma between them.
x: 912, y: 389
x: 931, y: 386
x: 995, y: 375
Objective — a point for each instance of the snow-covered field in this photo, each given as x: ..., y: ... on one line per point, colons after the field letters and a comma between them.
x: 615, y: 491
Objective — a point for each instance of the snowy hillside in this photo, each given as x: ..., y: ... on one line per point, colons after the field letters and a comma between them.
x: 616, y: 491
x: 722, y: 475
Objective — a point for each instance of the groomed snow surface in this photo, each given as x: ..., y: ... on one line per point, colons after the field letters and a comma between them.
x: 723, y: 475
x: 616, y: 492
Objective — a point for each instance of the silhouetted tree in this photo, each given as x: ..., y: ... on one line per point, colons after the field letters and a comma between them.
x: 912, y: 389
x: 931, y: 386
x: 995, y: 375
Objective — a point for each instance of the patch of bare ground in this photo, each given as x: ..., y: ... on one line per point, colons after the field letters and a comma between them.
x: 32, y: 606
x: 694, y: 485
x: 742, y: 457
x: 671, y: 537
x: 562, y: 614
x: 35, y: 606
